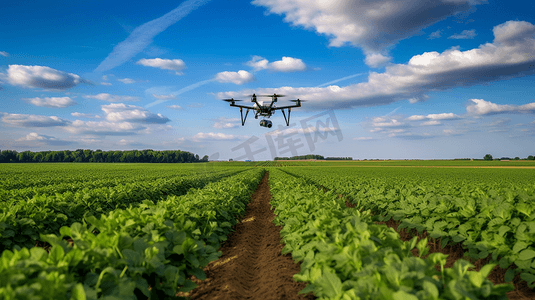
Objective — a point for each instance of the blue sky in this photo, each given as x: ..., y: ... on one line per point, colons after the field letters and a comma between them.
x: 383, y: 79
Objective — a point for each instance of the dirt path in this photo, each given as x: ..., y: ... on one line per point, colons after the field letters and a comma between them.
x: 252, y: 266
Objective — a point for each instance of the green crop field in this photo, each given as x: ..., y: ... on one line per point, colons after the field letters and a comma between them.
x: 139, y: 231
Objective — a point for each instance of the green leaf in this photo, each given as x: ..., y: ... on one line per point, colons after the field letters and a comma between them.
x: 485, y: 271
x: 526, y: 254
x: 330, y: 283
x: 509, y: 275
x: 519, y: 245
x: 475, y: 278
x: 78, y: 292
x: 529, y: 278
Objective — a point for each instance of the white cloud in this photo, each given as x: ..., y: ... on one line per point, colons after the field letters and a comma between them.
x: 21, y: 120
x: 435, y: 35
x: 164, y: 97
x: 4, y: 53
x: 42, y: 77
x: 415, y: 118
x: 363, y: 138
x: 223, y: 122
x: 238, y: 78
x: 465, y: 34
x: 430, y: 123
x: 166, y: 64
x: 509, y: 56
x: 126, y: 80
x: 111, y: 98
x: 382, y: 122
x: 442, y: 116
x: 104, y: 128
x: 370, y: 25
x: 178, y: 107
x: 376, y: 60
x: 56, y: 102
x: 36, y: 138
x: 105, y: 83
x: 83, y: 115
x: 482, y: 107
x: 287, y: 64
x: 453, y: 132
x: 211, y: 136
x: 119, y: 112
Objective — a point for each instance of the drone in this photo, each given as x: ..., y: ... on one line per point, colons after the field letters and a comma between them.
x: 264, y: 110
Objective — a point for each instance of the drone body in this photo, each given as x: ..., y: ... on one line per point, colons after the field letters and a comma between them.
x: 263, y: 109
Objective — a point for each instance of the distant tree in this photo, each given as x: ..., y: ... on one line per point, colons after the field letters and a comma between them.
x: 205, y: 158
x: 517, y: 158
x: 487, y: 157
x: 531, y: 157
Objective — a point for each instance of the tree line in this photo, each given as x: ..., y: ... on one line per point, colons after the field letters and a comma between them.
x: 99, y: 156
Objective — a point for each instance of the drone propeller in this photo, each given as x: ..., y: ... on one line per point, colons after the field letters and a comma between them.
x: 299, y: 100
x: 274, y: 95
x: 231, y: 100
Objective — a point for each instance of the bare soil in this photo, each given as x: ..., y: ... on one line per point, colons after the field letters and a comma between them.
x: 252, y: 266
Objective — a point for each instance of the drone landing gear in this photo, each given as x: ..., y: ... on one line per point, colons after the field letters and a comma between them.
x: 287, y: 119
x: 242, y: 118
x: 266, y: 123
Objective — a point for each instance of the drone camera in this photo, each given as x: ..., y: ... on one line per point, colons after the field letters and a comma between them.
x: 266, y: 123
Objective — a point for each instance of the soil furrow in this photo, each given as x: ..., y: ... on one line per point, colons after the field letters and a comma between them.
x: 252, y: 266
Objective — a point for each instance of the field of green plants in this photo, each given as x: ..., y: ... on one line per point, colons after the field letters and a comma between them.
x: 138, y: 231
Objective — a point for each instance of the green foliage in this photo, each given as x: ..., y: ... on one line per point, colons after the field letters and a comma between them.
x: 149, y: 250
x: 345, y: 255
x: 490, y: 212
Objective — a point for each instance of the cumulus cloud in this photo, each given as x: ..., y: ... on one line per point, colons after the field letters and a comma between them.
x: 509, y: 56
x: 103, y: 128
x: 164, y: 97
x: 166, y: 64
x: 370, y: 25
x: 83, y: 115
x: 442, y: 116
x: 211, y: 136
x: 430, y: 123
x: 42, y: 77
x: 56, y: 102
x: 287, y: 64
x: 4, y: 53
x: 238, y: 78
x: 21, y: 120
x: 36, y: 138
x: 126, y: 80
x: 223, y: 122
x: 119, y: 112
x: 376, y: 60
x: 482, y: 107
x: 465, y: 34
x: 142, y: 35
x: 111, y: 98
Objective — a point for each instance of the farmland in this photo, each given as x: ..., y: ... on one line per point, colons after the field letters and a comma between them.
x: 349, y: 230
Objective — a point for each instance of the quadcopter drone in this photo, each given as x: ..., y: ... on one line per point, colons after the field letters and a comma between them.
x: 264, y: 110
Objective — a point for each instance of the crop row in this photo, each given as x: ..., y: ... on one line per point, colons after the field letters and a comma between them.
x: 150, y: 250
x: 23, y: 176
x: 488, y: 218
x: 22, y: 220
x: 345, y: 255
